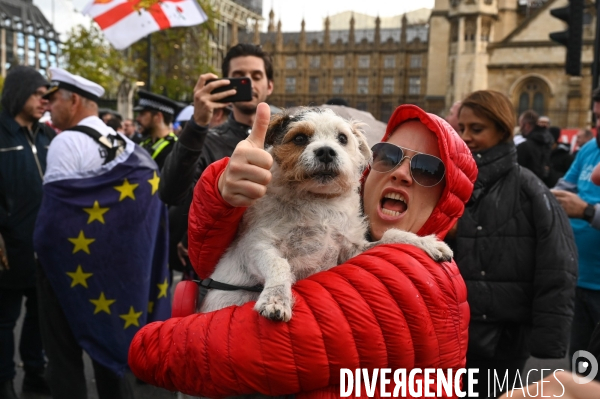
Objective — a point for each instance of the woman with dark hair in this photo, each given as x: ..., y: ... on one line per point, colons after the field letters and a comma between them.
x: 390, y: 307
x: 514, y: 248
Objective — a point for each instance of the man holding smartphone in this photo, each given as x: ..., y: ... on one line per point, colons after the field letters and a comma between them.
x: 199, y: 145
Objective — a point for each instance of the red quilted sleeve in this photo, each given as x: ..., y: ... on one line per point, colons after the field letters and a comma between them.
x: 391, y: 306
x: 212, y: 222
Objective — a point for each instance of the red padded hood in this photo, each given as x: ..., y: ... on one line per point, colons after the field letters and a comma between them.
x: 461, y: 170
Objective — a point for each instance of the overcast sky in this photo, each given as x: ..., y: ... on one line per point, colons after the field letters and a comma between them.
x: 67, y: 13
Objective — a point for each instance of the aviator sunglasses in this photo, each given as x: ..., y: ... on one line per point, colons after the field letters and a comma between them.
x: 426, y: 170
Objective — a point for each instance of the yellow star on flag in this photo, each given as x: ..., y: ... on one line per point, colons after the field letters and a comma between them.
x: 163, y: 289
x: 131, y: 318
x: 79, y: 277
x: 102, y: 304
x: 96, y: 213
x: 154, y: 183
x: 150, y: 307
x: 126, y: 190
x: 81, y: 243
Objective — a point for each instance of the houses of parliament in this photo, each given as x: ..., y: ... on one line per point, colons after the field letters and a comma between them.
x: 433, y: 58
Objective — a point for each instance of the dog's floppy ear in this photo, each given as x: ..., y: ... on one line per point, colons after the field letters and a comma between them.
x: 277, y: 128
x: 363, y: 146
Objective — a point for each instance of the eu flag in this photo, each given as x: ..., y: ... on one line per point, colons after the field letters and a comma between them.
x: 102, y: 242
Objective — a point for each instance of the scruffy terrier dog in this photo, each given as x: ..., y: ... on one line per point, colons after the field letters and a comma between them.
x: 310, y: 218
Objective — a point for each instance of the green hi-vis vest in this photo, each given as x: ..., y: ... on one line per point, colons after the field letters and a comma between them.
x: 160, y: 145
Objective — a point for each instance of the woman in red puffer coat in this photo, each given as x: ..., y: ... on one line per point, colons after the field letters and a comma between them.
x: 390, y: 307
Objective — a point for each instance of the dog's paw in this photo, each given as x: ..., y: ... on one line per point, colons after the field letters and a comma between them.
x: 275, y: 303
x: 436, y: 249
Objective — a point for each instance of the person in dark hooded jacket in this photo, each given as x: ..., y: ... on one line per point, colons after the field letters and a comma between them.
x: 560, y: 158
x: 534, y: 152
x: 515, y: 249
x: 23, y: 147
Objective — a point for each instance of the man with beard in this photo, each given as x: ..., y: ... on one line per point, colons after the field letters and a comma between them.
x: 23, y: 148
x: 156, y: 113
x: 198, y: 145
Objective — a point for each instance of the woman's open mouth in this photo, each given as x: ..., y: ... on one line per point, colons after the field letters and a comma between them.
x: 393, y: 204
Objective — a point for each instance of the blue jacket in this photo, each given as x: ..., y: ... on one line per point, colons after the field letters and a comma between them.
x: 22, y: 167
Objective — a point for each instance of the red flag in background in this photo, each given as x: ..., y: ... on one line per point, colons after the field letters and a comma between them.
x: 124, y: 22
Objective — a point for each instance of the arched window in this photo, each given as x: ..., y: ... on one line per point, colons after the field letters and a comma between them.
x: 533, y: 93
x: 523, y: 103
x: 538, y: 103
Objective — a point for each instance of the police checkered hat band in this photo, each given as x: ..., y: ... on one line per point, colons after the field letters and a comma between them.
x: 147, y: 103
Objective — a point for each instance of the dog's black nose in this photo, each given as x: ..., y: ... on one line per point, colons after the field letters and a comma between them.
x: 325, y: 154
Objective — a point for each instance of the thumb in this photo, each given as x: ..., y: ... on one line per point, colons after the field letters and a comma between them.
x: 261, y: 123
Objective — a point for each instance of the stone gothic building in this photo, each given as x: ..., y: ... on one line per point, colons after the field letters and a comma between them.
x: 373, y: 69
x: 233, y: 16
x: 462, y: 46
x: 504, y: 45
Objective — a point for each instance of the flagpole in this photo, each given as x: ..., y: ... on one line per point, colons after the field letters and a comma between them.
x: 149, y: 61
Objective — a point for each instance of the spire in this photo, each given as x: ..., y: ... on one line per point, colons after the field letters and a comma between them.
x: 351, y: 34
x: 302, y: 36
x: 403, y: 30
x: 271, y: 26
x: 256, y: 32
x: 234, y: 31
x: 326, y: 34
x: 377, y: 30
x: 279, y: 38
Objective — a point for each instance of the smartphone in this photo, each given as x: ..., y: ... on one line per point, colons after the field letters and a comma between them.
x: 243, y: 87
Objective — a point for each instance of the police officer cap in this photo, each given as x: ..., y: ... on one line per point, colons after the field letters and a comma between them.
x: 62, y: 79
x: 156, y: 102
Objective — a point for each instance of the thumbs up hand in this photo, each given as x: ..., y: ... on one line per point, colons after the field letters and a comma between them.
x: 248, y: 172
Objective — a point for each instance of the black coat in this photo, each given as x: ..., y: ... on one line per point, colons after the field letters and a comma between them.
x: 516, y: 252
x: 22, y: 166
x: 534, y: 152
x: 197, y: 148
x: 560, y: 162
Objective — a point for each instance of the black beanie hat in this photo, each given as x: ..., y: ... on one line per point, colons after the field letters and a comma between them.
x: 20, y: 83
x: 555, y: 132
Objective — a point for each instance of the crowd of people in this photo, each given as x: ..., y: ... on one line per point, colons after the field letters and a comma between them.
x: 521, y: 213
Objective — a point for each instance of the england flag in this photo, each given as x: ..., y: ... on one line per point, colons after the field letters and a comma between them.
x: 124, y: 22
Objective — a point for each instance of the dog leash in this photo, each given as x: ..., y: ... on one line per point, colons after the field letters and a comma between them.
x: 208, y: 283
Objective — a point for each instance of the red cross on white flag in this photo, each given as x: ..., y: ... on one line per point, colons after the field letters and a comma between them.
x: 124, y: 22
